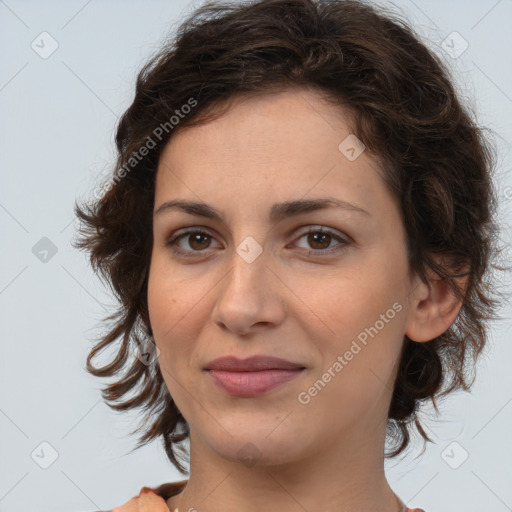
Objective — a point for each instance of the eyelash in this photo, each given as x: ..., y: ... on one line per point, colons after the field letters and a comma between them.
x: 171, y: 242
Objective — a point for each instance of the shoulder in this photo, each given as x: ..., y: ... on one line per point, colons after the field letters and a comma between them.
x: 414, y: 510
x: 170, y: 489
x: 152, y: 499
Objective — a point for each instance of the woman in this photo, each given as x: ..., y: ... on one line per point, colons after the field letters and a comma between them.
x: 300, y: 231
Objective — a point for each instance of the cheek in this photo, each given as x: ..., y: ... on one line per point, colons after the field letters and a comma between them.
x: 358, y: 367
x: 176, y: 313
x: 168, y: 298
x: 365, y: 318
x: 356, y: 303
x: 165, y: 309
x: 159, y: 302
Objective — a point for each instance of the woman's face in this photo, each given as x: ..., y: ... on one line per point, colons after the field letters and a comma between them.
x: 337, y: 304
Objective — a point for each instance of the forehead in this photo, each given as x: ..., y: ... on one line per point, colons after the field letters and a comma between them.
x: 281, y: 144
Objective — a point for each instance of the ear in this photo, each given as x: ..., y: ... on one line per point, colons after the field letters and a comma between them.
x: 433, y: 307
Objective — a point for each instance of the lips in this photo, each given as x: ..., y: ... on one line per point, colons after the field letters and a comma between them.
x: 251, y: 364
x: 253, y: 376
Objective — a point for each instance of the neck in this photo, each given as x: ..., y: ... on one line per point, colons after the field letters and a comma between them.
x: 345, y: 476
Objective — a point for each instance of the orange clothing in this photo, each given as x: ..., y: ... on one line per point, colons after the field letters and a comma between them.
x: 154, y: 499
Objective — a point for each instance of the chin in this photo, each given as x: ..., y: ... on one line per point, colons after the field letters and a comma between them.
x: 263, y: 446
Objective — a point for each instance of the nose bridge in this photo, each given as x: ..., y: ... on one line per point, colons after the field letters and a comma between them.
x: 247, y: 295
x: 249, y: 257
x: 248, y: 269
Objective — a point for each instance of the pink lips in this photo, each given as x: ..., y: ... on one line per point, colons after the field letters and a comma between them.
x: 252, y: 376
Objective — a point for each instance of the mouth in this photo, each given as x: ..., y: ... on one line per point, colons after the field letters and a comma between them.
x: 252, y: 383
x: 253, y: 376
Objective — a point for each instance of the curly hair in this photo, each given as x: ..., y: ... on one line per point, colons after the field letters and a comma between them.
x: 435, y: 160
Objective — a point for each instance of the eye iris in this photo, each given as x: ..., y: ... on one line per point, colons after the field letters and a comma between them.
x: 195, y: 237
x: 313, y: 239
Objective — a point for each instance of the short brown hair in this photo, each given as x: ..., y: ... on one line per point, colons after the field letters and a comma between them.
x: 435, y: 161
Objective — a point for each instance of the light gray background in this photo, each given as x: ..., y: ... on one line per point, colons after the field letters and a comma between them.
x: 57, y: 122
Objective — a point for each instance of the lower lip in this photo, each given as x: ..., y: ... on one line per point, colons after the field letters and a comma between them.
x: 252, y: 383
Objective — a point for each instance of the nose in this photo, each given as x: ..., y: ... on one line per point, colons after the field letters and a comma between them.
x: 249, y: 297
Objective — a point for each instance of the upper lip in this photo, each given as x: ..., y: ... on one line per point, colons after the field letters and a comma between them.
x: 252, y: 364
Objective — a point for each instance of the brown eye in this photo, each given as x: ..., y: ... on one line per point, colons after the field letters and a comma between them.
x: 197, y: 240
x: 319, y: 238
x: 319, y: 241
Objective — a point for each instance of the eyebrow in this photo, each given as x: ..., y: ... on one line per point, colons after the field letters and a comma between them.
x: 278, y: 211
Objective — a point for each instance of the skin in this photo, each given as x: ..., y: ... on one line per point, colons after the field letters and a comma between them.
x: 327, y: 454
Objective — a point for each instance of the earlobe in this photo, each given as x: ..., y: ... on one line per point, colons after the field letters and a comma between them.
x: 433, y: 308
